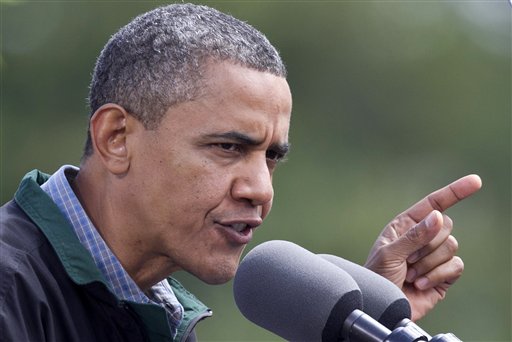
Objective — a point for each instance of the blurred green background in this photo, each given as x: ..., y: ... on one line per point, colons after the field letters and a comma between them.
x: 392, y: 100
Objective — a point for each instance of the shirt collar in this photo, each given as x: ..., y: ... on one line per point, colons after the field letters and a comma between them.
x: 121, y: 284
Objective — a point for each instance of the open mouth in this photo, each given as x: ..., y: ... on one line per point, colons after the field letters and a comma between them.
x: 240, y: 227
x: 238, y: 232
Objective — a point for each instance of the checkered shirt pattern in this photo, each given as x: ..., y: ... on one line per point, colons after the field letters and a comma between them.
x: 121, y: 284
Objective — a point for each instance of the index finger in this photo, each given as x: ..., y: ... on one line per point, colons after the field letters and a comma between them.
x: 444, y: 198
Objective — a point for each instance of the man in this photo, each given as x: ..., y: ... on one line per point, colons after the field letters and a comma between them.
x: 190, y: 113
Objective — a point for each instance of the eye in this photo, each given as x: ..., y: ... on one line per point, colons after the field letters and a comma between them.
x: 274, y: 156
x: 230, y: 147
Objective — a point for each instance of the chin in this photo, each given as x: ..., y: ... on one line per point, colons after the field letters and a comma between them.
x: 220, y: 274
x: 219, y: 278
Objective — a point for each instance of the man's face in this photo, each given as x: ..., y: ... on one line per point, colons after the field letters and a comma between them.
x: 202, y: 181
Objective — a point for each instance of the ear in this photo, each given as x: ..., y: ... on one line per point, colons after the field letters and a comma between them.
x: 109, y: 129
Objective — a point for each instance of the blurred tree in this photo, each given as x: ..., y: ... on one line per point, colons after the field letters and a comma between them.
x: 391, y: 101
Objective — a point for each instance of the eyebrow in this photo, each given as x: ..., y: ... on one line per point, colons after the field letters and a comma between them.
x: 244, y: 139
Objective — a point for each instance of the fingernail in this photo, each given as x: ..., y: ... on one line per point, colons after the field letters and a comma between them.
x: 422, y: 283
x: 411, y: 274
x: 431, y: 219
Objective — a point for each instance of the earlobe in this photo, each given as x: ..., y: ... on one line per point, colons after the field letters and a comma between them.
x: 108, y: 134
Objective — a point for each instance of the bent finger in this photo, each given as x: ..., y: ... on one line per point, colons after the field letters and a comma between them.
x: 445, y: 252
x: 433, y: 245
x: 418, y: 236
x: 444, y: 275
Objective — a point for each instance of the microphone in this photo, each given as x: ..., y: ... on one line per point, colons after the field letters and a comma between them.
x: 382, y: 299
x: 293, y: 293
x: 301, y: 296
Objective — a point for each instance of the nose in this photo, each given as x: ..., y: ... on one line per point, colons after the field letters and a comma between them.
x: 253, y: 183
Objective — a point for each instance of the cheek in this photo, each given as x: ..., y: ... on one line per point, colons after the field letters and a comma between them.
x: 198, y: 185
x: 182, y: 181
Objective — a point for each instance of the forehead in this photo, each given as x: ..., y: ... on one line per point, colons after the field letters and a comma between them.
x: 225, y: 80
x: 236, y: 98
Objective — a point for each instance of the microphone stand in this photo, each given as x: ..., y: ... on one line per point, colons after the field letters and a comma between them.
x: 360, y: 327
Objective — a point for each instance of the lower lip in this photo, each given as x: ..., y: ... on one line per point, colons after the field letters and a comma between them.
x: 242, y: 238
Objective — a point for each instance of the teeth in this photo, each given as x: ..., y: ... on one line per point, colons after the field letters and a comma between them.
x: 239, y: 226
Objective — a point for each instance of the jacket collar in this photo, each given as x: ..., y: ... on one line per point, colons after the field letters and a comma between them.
x: 46, y: 215
x: 80, y: 266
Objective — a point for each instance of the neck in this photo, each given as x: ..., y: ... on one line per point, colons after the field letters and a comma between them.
x: 107, y: 208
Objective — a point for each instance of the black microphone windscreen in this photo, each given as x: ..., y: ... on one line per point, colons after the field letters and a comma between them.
x: 382, y: 299
x: 294, y: 293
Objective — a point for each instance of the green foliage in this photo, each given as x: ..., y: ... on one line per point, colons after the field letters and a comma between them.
x: 392, y: 100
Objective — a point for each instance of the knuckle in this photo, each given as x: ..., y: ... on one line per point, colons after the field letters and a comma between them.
x: 447, y: 223
x: 452, y: 244
x: 414, y: 234
x: 458, y: 265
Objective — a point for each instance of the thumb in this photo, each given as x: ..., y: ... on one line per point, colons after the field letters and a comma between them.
x: 419, y: 235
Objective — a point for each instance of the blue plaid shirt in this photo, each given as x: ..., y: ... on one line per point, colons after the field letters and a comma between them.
x: 121, y: 284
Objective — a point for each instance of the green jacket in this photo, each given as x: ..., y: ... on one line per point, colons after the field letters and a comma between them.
x: 51, y: 289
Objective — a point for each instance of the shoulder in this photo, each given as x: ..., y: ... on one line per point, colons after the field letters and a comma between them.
x: 26, y: 254
x: 21, y: 242
x: 18, y: 233
x: 28, y: 265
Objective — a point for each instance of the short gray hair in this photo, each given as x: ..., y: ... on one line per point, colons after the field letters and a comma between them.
x: 156, y: 60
